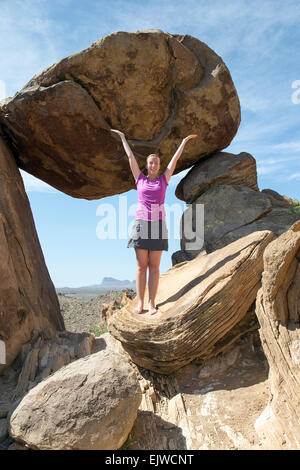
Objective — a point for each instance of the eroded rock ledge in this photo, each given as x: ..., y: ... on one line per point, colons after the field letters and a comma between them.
x: 199, y: 302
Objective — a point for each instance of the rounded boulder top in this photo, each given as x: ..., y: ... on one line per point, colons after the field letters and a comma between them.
x: 154, y: 86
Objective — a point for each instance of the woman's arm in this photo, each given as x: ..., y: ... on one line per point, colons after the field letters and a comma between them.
x: 132, y: 161
x: 172, y: 165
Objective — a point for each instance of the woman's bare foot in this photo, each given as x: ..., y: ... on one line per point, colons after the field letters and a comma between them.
x: 139, y: 308
x: 151, y: 308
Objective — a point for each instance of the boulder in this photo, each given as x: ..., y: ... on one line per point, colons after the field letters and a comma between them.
x: 278, y: 312
x: 225, y: 209
x: 218, y: 168
x: 277, y: 199
x: 230, y: 212
x: 154, y: 86
x: 28, y: 301
x: 202, y: 405
x: 199, y: 302
x: 278, y: 220
x: 181, y: 256
x: 90, y: 404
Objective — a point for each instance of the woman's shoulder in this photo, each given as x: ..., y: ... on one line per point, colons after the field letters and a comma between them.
x: 164, y: 179
x: 141, y: 176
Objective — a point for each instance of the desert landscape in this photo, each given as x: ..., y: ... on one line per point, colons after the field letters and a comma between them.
x: 217, y: 368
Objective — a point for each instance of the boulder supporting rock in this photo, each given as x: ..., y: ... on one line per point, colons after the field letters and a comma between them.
x: 28, y: 301
x: 218, y: 168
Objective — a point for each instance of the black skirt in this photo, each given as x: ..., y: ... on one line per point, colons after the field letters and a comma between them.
x: 149, y: 235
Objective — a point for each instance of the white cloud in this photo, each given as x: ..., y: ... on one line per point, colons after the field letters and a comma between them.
x: 295, y: 176
x: 288, y: 146
x: 28, y: 41
x: 261, y: 130
x: 271, y: 161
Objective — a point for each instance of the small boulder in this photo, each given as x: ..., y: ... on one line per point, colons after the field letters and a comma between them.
x: 90, y: 404
x: 218, y: 168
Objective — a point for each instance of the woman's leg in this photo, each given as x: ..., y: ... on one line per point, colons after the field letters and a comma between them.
x: 141, y: 274
x: 153, y: 263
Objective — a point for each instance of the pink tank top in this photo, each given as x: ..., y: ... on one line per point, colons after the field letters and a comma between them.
x: 151, y: 197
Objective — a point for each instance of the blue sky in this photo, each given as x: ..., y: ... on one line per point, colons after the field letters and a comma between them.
x: 259, y: 41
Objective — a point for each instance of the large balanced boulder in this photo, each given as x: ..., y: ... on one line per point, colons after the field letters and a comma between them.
x: 278, y: 312
x: 28, y: 301
x: 154, y: 86
x: 199, y: 302
x: 90, y: 404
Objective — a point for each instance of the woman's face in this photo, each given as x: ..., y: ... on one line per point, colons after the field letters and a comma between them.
x: 153, y: 165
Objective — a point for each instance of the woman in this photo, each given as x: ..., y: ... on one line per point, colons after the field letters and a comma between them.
x: 149, y: 232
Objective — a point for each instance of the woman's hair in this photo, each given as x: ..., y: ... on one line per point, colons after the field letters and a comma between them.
x: 153, y: 155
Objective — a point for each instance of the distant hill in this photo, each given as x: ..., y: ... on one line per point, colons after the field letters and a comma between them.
x: 99, y: 289
x: 112, y: 282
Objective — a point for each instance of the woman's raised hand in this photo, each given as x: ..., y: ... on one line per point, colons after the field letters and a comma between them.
x: 192, y: 136
x: 118, y: 132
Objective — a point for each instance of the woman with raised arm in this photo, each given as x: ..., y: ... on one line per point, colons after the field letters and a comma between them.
x: 149, y: 236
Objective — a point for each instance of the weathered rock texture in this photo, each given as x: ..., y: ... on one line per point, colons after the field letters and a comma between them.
x: 199, y: 302
x: 108, y: 309
x: 37, y: 360
x: 225, y: 209
x: 225, y: 204
x: 28, y: 301
x: 219, y: 168
x: 202, y: 405
x: 90, y: 404
x: 278, y: 312
x: 155, y: 87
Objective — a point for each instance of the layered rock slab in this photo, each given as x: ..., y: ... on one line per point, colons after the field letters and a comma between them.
x: 28, y: 301
x: 155, y: 87
x: 199, y: 302
x: 90, y: 404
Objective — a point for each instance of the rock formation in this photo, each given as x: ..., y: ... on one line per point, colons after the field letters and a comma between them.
x: 90, y: 404
x: 227, y: 329
x: 202, y: 405
x: 225, y: 204
x: 154, y: 86
x: 28, y: 301
x: 217, y: 169
x: 278, y: 312
x: 199, y: 302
